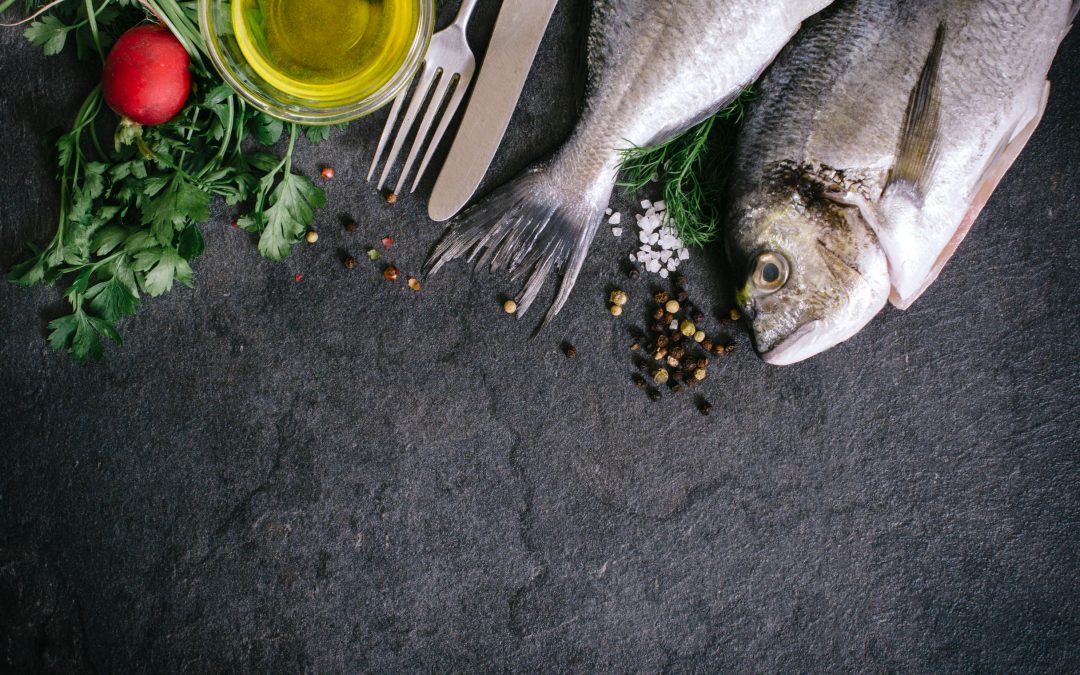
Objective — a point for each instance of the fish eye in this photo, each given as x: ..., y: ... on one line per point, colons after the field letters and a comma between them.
x: 770, y: 272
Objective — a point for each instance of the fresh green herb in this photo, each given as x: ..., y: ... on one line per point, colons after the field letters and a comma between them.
x: 129, y: 217
x: 689, y: 168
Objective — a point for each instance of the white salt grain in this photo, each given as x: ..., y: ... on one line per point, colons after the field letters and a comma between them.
x: 615, y: 219
x: 617, y: 231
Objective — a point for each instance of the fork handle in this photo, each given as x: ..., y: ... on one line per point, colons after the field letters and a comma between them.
x: 465, y: 12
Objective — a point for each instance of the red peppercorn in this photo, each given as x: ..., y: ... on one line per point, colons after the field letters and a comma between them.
x: 387, y: 242
x: 328, y: 173
x: 299, y: 278
x: 391, y: 273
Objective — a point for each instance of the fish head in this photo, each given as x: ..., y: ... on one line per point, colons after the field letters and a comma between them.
x: 812, y: 272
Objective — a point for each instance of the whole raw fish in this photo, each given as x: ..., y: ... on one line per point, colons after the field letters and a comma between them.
x: 875, y: 141
x: 656, y: 67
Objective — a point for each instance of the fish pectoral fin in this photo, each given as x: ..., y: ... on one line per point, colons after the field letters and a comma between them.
x: 916, y: 152
x: 998, y: 165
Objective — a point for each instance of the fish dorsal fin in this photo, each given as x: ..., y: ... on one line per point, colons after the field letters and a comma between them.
x: 917, y: 150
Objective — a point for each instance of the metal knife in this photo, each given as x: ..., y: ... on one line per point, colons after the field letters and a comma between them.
x: 510, y: 54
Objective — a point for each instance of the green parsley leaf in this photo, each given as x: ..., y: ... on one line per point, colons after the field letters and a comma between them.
x: 49, y: 33
x: 292, y: 209
x: 160, y: 267
x: 266, y: 130
x: 173, y: 208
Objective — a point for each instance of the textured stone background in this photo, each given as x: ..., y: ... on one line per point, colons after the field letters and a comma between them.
x: 341, y: 475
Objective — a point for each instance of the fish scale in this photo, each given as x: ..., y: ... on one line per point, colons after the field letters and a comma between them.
x: 656, y: 67
x: 855, y: 104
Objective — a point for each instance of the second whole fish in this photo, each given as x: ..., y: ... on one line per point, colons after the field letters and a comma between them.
x: 876, y: 139
x: 656, y: 68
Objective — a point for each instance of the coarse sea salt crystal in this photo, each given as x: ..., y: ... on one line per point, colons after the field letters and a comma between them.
x: 615, y: 219
x: 684, y: 254
x: 653, y: 238
x: 653, y: 266
x: 673, y: 264
x: 607, y: 212
x: 646, y: 204
x: 665, y: 256
x: 660, y: 206
x: 617, y: 231
x: 664, y: 273
x: 643, y: 237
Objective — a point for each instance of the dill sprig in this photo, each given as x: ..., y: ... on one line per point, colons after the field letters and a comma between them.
x: 689, y: 170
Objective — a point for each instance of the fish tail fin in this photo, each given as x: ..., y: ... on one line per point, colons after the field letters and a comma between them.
x: 541, y: 222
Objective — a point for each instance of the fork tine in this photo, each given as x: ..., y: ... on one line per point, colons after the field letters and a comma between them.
x: 451, y: 109
x: 437, y: 100
x: 419, y: 96
x: 388, y: 129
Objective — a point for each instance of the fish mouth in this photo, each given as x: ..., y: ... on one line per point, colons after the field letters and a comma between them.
x: 805, y: 342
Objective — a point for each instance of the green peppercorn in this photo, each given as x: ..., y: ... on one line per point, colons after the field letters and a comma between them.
x: 661, y: 376
x: 687, y: 328
x: 619, y: 298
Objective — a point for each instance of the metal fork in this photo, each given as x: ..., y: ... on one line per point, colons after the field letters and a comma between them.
x: 449, y: 61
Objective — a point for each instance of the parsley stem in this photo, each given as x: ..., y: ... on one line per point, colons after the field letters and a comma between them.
x: 91, y: 17
x: 225, y: 140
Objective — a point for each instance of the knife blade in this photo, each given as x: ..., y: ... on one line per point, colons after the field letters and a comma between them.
x: 510, y: 54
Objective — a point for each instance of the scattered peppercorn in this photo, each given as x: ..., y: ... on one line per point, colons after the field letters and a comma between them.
x: 373, y: 254
x: 658, y: 328
x: 312, y: 236
x: 640, y: 382
x: 236, y: 223
x: 661, y: 297
x: 660, y: 376
x: 678, y: 352
x: 682, y: 296
x: 413, y: 283
x: 658, y: 314
x: 719, y: 350
x: 698, y: 317
x: 352, y: 226
x: 391, y: 198
x: 633, y: 273
x: 328, y: 173
x: 676, y: 337
x: 673, y: 362
x: 349, y: 262
x: 510, y: 307
x: 668, y: 317
x: 662, y: 341
x: 654, y: 395
x: 672, y: 306
x: 735, y: 315
x: 687, y: 328
x: 570, y: 351
x: 391, y: 273
x: 387, y: 242
x: 298, y: 278
x: 619, y: 298
x: 661, y: 353
x: 676, y: 388
x: 707, y: 345
x: 699, y: 336
x: 705, y: 408
x: 616, y: 310
x: 731, y: 347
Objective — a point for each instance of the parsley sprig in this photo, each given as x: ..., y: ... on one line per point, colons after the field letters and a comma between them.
x: 130, y: 215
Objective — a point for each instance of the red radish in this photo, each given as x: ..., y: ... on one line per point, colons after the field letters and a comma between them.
x: 146, y: 78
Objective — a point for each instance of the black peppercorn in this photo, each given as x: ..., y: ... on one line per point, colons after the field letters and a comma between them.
x: 635, y: 346
x: 658, y: 314
x: 699, y: 318
x: 661, y: 297
x: 351, y: 226
x: 633, y: 273
x: 654, y: 395
x: 570, y: 351
x: 640, y: 382
x: 662, y: 341
x: 349, y: 262
x: 682, y: 296
x: 676, y: 388
x: 705, y: 408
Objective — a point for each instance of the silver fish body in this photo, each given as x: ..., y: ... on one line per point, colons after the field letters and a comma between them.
x: 898, y: 118
x: 656, y: 67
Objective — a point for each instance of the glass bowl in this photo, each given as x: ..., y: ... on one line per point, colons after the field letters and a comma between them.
x: 216, y: 24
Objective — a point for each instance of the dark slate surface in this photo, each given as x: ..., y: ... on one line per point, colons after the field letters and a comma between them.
x: 341, y: 475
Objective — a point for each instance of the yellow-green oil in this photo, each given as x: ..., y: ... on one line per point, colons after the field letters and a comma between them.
x: 326, y: 52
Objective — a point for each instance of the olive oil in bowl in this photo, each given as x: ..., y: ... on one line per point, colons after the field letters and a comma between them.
x: 327, y: 52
